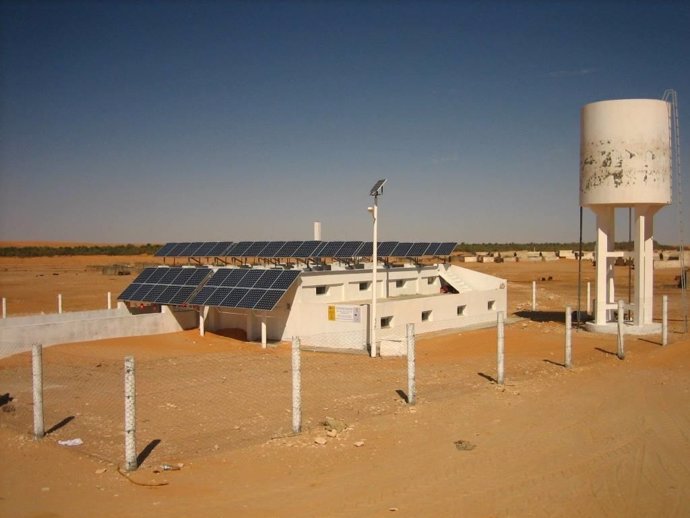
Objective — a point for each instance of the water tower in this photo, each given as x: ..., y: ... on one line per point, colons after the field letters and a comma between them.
x: 625, y: 163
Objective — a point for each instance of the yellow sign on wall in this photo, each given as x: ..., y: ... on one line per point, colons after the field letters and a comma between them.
x: 331, y: 312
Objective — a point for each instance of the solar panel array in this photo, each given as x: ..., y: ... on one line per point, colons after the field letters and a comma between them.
x: 246, y: 288
x: 303, y: 249
x: 252, y: 288
x: 165, y: 285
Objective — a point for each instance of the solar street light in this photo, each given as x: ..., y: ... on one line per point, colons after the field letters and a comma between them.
x: 376, y: 191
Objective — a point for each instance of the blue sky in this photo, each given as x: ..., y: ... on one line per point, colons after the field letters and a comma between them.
x: 173, y: 121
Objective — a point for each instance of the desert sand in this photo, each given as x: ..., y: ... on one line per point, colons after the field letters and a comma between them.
x: 608, y: 437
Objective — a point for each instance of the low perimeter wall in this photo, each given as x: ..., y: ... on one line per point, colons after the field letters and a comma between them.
x: 17, y: 334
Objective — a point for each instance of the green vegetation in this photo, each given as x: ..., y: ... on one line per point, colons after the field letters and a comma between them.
x: 50, y: 251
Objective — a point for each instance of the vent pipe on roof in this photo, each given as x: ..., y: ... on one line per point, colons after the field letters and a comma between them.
x: 317, y: 231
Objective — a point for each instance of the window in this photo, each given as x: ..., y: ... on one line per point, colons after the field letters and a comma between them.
x: 426, y: 316
x: 461, y: 310
x: 491, y: 305
x: 363, y: 286
x: 386, y: 322
x: 321, y: 290
x: 430, y: 280
x: 399, y: 283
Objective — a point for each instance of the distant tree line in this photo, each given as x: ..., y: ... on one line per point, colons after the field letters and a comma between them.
x: 50, y: 251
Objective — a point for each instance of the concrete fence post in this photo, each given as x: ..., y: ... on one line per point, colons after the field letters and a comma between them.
x: 4, y: 307
x: 621, y: 345
x: 589, y: 299
x: 296, y: 386
x: 37, y: 369
x: 411, y: 381
x: 664, y: 320
x: 59, y: 303
x: 568, y: 338
x: 534, y: 295
x: 500, y: 378
x: 130, y: 416
x: 110, y: 300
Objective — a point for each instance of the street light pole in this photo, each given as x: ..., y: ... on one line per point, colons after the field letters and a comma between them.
x: 376, y: 191
x: 374, y: 271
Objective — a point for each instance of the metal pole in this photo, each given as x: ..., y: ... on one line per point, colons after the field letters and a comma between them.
x: 4, y: 307
x: 60, y: 303
x: 411, y: 382
x: 664, y: 320
x: 296, y: 386
x: 37, y: 368
x: 621, y: 346
x: 130, y: 416
x: 264, y: 333
x: 568, y: 338
x: 534, y: 295
x: 110, y: 300
x: 579, y: 278
x: 374, y: 269
x: 500, y: 378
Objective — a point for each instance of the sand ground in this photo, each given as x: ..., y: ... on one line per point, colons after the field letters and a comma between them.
x: 606, y: 438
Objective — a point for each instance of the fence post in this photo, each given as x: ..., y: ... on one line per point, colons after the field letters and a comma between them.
x: 501, y: 349
x: 130, y: 416
x: 589, y: 300
x: 568, y: 338
x: 59, y: 303
x: 534, y: 295
x: 37, y: 369
x: 411, y: 381
x: 110, y: 300
x: 296, y: 386
x: 4, y: 307
x: 621, y: 346
x: 664, y: 320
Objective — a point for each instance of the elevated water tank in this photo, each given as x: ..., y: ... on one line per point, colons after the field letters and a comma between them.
x: 625, y: 153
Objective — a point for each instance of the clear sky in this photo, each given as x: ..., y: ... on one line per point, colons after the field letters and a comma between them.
x: 174, y: 121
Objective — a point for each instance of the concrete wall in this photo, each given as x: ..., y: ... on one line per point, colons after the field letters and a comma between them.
x: 17, y: 334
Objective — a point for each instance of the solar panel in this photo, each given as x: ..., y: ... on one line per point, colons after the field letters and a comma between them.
x: 163, y: 251
x: 386, y: 248
x: 267, y: 279
x: 349, y: 249
x: 198, y: 276
x: 401, y: 250
x: 167, y: 294
x: 366, y: 250
x: 271, y: 249
x: 250, y: 278
x: 234, y: 277
x: 183, y: 277
x: 269, y: 300
x: 330, y: 249
x: 218, y: 277
x: 306, y: 249
x: 202, y: 296
x: 234, y: 297
x: 418, y: 249
x: 287, y: 277
x: 190, y: 251
x: 218, y: 296
x: 288, y: 249
x: 219, y: 249
x: 145, y: 274
x: 432, y: 248
x: 255, y: 249
x: 205, y: 248
x: 157, y: 274
x: 250, y: 299
x: 169, y: 276
x: 153, y: 293
x: 182, y: 296
x: 238, y: 249
x: 446, y: 249
x: 127, y: 294
x: 177, y: 249
x: 141, y: 292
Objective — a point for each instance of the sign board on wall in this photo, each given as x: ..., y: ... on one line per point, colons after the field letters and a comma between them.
x: 344, y: 313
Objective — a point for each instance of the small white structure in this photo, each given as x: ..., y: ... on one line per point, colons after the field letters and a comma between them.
x: 330, y: 308
x: 625, y: 162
